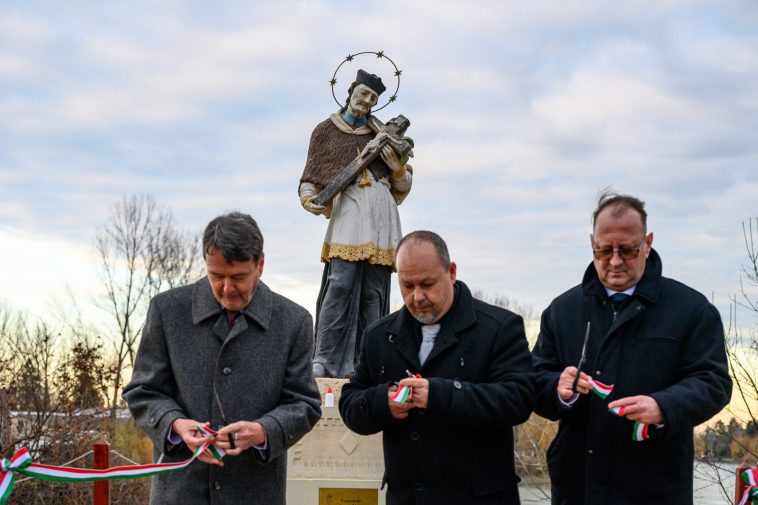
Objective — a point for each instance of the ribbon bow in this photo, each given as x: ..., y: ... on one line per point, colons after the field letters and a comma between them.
x: 750, y: 476
x: 21, y: 462
x: 8, y: 468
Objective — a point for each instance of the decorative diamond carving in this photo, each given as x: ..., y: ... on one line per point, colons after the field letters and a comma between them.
x: 348, y: 442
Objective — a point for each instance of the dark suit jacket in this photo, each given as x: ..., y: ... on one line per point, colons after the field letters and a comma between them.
x: 460, y: 449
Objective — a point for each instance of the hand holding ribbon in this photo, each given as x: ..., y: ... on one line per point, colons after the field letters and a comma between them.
x: 402, y: 397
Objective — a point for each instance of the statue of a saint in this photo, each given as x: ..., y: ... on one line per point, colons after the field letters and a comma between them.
x: 364, y: 224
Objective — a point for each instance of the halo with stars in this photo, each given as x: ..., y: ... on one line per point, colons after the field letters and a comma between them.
x: 378, y: 54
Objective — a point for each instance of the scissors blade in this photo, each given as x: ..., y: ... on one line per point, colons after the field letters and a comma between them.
x: 583, y: 358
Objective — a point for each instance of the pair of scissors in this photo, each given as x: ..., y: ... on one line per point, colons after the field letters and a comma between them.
x: 582, y: 359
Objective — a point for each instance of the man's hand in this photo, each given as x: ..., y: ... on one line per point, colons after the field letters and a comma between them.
x: 643, y: 409
x: 311, y: 207
x: 566, y: 380
x: 187, y: 429
x: 397, y: 409
x: 419, y: 391
x: 245, y: 433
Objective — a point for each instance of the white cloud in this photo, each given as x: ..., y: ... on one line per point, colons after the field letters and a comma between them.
x: 36, y: 270
x: 521, y: 112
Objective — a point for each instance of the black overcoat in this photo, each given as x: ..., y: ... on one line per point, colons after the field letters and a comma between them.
x: 666, y: 341
x: 460, y: 449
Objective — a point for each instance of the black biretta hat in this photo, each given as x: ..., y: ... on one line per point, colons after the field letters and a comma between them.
x: 372, y: 81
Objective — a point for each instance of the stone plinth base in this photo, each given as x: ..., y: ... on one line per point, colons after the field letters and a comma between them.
x: 331, y: 460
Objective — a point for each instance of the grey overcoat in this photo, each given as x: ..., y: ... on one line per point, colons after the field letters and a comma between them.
x: 262, y: 371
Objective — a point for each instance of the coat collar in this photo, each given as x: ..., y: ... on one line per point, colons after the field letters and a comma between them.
x: 647, y: 289
x: 402, y: 330
x: 204, y: 304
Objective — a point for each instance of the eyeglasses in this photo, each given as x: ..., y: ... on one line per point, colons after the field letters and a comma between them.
x: 626, y: 253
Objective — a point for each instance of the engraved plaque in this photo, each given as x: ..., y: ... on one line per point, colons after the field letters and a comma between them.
x: 341, y: 496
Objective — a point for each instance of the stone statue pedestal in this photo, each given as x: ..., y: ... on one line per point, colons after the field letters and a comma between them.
x: 331, y: 465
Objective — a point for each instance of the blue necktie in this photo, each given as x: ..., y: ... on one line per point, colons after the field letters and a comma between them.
x: 618, y: 298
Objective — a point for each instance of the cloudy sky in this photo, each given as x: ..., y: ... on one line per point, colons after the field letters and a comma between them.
x: 521, y: 113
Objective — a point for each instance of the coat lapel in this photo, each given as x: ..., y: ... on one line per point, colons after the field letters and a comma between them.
x: 460, y: 317
x: 205, y: 306
x: 401, y: 333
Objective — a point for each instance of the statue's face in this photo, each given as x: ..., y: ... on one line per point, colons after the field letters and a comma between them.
x: 361, y: 101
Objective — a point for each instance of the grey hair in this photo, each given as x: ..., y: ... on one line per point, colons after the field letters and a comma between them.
x: 236, y: 236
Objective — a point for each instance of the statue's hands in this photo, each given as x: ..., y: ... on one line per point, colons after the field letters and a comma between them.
x: 310, y: 206
x: 391, y: 158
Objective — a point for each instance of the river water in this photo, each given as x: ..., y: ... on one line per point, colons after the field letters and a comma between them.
x: 707, y: 490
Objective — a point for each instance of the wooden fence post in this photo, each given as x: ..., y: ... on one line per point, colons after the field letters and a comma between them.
x: 5, y: 422
x: 740, y: 485
x: 101, y: 449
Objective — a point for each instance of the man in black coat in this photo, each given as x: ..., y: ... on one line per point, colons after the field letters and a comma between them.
x: 661, y: 347
x: 451, y: 442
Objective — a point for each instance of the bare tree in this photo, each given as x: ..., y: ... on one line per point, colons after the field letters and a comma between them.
x: 722, y: 446
x: 50, y: 399
x: 141, y: 253
x: 742, y: 341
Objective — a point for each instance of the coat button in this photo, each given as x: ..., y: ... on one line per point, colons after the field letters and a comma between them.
x: 415, y: 436
x: 217, y: 485
x: 151, y: 420
x: 418, y: 487
x: 590, y: 451
x: 598, y: 372
x: 227, y: 371
x: 457, y: 385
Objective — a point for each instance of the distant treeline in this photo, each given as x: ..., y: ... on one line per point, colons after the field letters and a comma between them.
x: 728, y: 441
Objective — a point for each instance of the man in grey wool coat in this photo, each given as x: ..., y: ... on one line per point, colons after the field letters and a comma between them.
x: 229, y: 353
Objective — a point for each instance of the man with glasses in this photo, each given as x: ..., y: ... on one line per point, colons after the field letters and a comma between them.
x: 651, y: 348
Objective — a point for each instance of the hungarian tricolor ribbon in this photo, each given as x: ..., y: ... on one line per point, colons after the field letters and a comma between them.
x: 640, y: 430
x: 601, y: 389
x: 750, y: 476
x: 403, y: 393
x: 21, y: 463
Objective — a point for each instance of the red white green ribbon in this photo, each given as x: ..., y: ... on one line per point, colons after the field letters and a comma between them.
x: 750, y: 476
x: 601, y: 389
x: 640, y: 430
x: 403, y: 393
x: 21, y: 463
x: 619, y: 411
